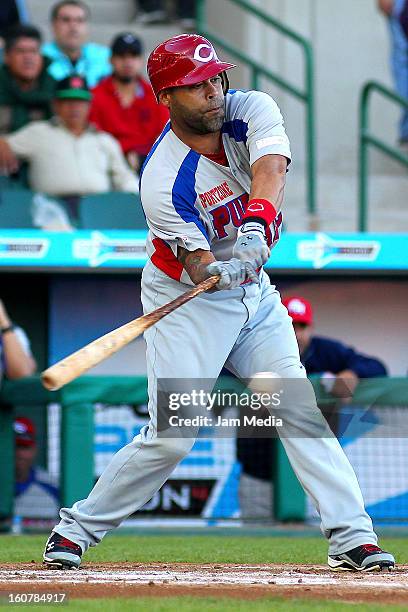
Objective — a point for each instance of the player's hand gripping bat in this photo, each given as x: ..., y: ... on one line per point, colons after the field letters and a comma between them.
x: 90, y: 355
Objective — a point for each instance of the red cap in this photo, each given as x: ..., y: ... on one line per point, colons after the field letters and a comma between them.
x: 299, y: 309
x: 24, y: 430
x: 183, y: 60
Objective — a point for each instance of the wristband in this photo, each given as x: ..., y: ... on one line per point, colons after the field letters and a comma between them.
x: 260, y: 209
x: 251, y: 226
x: 10, y: 328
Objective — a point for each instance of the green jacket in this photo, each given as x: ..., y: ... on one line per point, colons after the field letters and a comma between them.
x: 17, y: 108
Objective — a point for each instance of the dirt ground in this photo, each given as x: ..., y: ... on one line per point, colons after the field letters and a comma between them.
x: 228, y: 580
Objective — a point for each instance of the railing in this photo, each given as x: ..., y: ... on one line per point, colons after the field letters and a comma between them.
x: 366, y: 139
x: 305, y: 95
x: 77, y: 401
x: 77, y: 427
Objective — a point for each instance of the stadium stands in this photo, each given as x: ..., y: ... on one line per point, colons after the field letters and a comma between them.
x: 15, y: 208
x: 114, y: 210
x: 111, y: 211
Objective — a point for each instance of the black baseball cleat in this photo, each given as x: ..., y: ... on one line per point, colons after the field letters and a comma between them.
x: 61, y: 553
x: 365, y: 558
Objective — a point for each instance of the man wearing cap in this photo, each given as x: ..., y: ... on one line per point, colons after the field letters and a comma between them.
x: 340, y: 365
x: 36, y: 495
x: 66, y: 155
x: 124, y: 104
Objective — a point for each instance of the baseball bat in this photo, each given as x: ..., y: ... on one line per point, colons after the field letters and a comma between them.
x: 93, y: 353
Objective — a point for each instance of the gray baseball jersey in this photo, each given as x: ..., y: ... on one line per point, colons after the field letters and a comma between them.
x: 197, y: 203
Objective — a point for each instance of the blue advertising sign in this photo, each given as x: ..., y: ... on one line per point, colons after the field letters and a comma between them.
x: 125, y: 249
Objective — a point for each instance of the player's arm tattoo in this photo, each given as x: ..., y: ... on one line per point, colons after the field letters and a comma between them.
x: 195, y: 263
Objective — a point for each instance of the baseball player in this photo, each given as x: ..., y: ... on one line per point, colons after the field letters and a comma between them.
x: 212, y: 188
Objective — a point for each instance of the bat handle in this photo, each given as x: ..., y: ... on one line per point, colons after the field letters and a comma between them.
x: 208, y: 283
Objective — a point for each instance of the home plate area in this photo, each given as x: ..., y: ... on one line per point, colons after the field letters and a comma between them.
x: 241, y: 581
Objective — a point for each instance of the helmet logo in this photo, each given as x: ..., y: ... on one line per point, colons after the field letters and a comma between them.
x: 209, y: 54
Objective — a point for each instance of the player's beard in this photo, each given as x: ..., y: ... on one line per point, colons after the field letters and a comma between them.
x: 213, y: 124
x: 202, y: 123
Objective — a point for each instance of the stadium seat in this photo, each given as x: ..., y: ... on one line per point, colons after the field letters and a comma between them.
x: 113, y: 210
x: 14, y: 182
x: 15, y: 208
x: 5, y: 182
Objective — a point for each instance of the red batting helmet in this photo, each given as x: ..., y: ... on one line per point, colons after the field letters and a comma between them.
x: 183, y: 60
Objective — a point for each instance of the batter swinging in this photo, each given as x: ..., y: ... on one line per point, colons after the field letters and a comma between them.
x: 211, y: 189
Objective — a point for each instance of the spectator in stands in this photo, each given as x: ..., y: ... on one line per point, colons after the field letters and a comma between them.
x: 154, y: 11
x: 66, y: 155
x: 26, y: 88
x: 12, y: 13
x: 16, y: 360
x: 36, y: 495
x: 396, y: 11
x: 124, y: 104
x: 69, y: 52
x: 340, y: 367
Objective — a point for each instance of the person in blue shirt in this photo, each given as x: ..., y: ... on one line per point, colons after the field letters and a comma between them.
x: 70, y: 53
x: 396, y: 13
x: 340, y: 365
x: 340, y: 368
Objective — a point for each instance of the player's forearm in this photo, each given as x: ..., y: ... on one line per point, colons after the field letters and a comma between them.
x: 195, y: 263
x: 268, y: 179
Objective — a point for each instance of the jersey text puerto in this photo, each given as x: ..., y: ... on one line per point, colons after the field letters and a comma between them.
x: 215, y: 195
